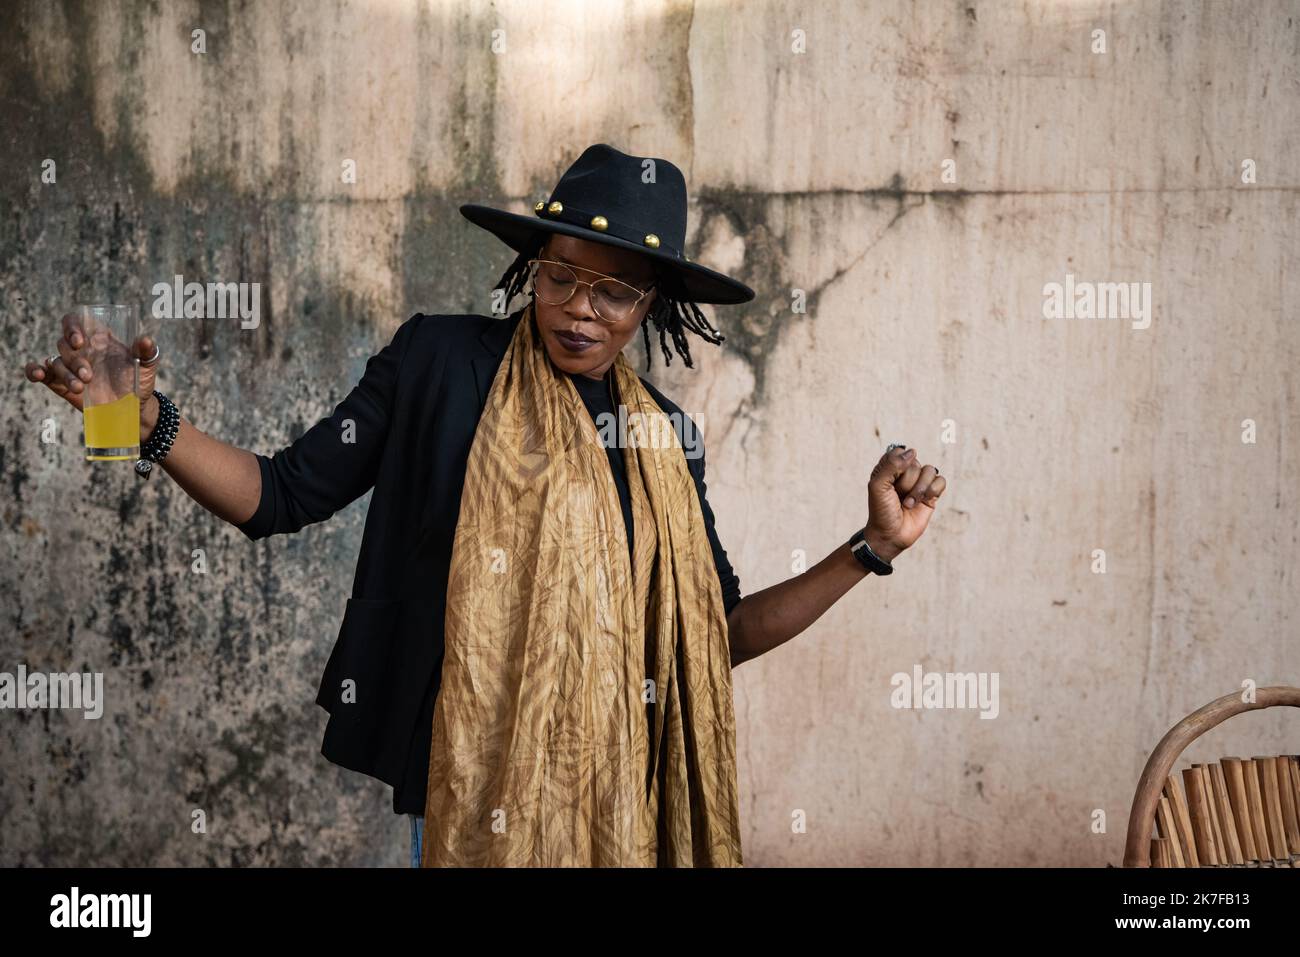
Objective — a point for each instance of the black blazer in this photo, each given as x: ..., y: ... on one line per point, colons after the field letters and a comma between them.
x: 405, y: 430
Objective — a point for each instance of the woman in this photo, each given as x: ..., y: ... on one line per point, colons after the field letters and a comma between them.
x: 537, y: 655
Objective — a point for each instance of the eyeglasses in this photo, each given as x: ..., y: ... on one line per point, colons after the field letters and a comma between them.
x: 611, y: 299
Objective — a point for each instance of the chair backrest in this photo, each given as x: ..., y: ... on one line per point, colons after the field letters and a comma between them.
x: 1234, y: 812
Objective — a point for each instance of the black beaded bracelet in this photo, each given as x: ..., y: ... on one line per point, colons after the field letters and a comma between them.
x: 160, y: 440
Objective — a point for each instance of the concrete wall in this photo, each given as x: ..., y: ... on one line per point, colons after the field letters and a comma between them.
x: 818, y: 171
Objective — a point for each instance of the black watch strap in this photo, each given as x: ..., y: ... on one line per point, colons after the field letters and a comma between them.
x: 869, y: 559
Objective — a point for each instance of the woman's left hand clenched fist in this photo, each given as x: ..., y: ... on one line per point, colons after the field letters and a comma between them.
x: 901, y: 494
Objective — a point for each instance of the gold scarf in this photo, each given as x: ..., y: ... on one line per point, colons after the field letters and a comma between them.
x: 585, y: 716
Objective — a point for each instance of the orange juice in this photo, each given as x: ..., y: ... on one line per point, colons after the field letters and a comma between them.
x: 113, y: 430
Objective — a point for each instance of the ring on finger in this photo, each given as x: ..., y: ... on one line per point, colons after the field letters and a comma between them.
x: 153, y: 358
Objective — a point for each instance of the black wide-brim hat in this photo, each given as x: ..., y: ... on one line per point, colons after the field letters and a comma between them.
x: 631, y: 202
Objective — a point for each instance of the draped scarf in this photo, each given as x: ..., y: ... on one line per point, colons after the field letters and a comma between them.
x: 585, y: 715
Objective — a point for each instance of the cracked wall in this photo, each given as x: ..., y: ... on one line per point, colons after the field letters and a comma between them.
x: 817, y: 172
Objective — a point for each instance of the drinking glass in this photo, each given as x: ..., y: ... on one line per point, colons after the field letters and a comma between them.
x: 111, y: 401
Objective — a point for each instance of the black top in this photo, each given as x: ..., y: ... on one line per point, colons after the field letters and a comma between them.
x: 595, y: 396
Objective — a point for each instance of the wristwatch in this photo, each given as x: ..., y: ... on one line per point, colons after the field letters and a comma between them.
x: 869, y: 559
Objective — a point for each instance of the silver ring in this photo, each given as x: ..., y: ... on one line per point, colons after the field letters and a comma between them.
x: 153, y: 358
x: 52, y: 359
x: 895, y: 445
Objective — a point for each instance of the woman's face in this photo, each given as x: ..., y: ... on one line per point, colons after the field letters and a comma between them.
x: 591, y: 261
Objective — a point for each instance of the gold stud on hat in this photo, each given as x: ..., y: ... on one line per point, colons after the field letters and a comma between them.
x: 652, y: 241
x: 539, y: 207
x: 555, y: 207
x: 599, y: 222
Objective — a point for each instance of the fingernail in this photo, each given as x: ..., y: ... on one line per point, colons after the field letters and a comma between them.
x: 909, y: 502
x: 84, y: 373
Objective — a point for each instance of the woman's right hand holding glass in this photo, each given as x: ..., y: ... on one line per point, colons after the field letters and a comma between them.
x: 68, y: 372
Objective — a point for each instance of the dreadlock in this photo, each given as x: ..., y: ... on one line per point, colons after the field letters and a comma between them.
x: 673, y: 318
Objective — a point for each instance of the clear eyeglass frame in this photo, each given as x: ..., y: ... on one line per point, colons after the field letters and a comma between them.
x: 631, y: 308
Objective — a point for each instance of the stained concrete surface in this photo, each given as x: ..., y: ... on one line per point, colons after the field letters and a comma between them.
x: 817, y: 171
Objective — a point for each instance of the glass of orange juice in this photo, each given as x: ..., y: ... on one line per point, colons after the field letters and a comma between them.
x: 111, y: 402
